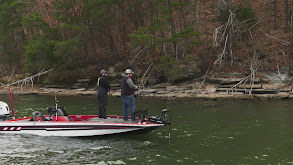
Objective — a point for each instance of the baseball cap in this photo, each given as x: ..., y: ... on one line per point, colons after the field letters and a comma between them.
x: 129, y: 71
x: 103, y: 71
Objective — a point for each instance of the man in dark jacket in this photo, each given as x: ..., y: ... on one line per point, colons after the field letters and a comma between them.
x: 127, y: 94
x: 103, y: 87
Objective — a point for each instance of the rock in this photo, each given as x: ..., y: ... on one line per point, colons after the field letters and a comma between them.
x: 224, y: 80
x: 80, y: 89
x: 264, y: 96
x: 175, y: 88
x: 115, y: 86
x: 162, y: 85
x: 249, y: 86
x: 282, y: 95
x: 116, y: 94
x: 195, y: 85
x: 194, y: 91
x: 148, y: 91
x: 86, y: 80
x: 230, y: 93
x: 81, y: 83
x: 184, y: 95
x: 172, y: 88
x: 162, y: 92
x: 152, y: 81
x: 273, y: 86
x: 211, y: 88
x: 276, y: 77
x: 88, y: 93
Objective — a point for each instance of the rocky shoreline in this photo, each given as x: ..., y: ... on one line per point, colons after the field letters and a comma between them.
x: 167, y: 91
x: 269, y: 85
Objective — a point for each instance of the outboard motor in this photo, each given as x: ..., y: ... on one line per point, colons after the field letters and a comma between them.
x: 4, y: 111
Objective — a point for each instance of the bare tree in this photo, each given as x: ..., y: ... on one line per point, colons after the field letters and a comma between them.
x: 228, y: 30
x: 232, y: 29
x: 28, y: 80
x: 275, y: 14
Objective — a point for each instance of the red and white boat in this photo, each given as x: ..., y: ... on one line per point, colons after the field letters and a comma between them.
x: 58, y: 123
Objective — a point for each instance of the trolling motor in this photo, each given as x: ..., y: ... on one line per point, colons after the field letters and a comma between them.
x: 164, y: 118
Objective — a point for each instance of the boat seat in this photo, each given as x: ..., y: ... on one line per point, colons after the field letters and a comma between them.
x: 37, y: 116
x: 60, y: 111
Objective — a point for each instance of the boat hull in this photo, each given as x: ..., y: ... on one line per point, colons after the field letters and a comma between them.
x: 74, y: 129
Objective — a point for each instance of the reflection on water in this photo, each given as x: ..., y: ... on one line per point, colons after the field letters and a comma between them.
x: 203, y: 132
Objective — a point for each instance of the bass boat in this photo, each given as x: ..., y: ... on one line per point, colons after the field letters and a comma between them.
x: 59, y: 123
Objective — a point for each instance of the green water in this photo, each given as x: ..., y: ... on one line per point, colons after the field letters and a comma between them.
x: 203, y: 132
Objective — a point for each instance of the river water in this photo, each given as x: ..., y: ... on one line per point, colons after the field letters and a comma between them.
x: 207, y: 132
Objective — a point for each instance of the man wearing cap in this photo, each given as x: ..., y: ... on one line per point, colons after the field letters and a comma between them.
x: 102, y: 92
x: 127, y: 95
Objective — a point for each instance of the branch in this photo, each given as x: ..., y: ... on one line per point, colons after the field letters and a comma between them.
x: 29, y: 79
x: 139, y: 53
x: 282, y: 41
x: 242, y: 81
x: 215, y: 36
x: 142, y: 83
x: 220, y: 56
x: 205, y: 76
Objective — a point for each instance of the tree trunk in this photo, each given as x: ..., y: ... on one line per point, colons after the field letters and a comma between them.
x: 191, y: 22
x: 268, y: 5
x: 248, y: 3
x: 275, y: 15
x: 286, y: 14
x: 112, y: 44
x: 216, y: 5
x: 196, y: 15
x: 172, y: 28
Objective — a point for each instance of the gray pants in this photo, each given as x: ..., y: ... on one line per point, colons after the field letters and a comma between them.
x: 102, y: 98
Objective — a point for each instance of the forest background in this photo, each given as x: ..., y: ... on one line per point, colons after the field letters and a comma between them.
x: 172, y: 39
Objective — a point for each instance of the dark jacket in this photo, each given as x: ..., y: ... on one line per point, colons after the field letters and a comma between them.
x: 127, y: 86
x: 103, y: 85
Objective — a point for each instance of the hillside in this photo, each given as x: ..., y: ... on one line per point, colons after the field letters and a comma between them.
x: 78, y: 38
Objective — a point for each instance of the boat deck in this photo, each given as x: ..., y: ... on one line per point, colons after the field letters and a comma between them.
x: 94, y: 119
x: 110, y: 120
